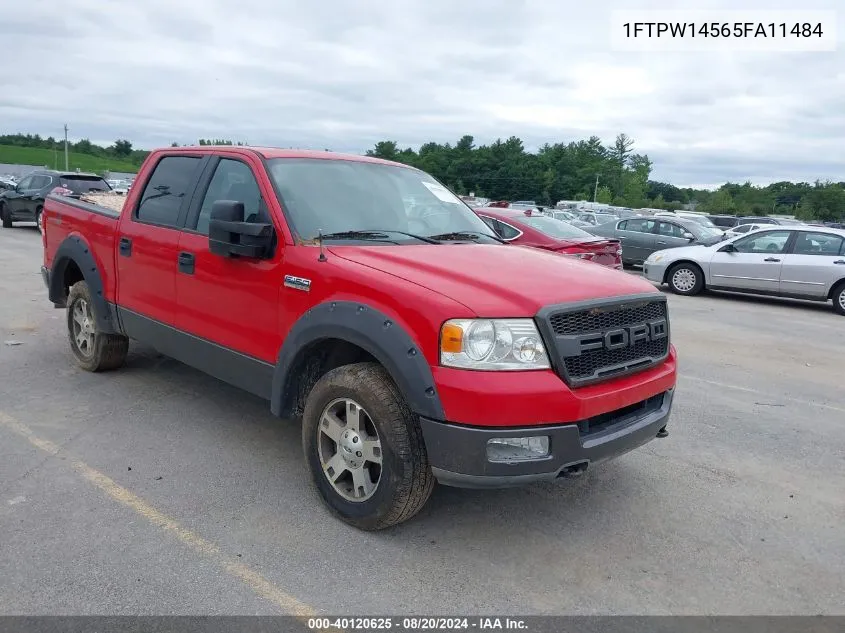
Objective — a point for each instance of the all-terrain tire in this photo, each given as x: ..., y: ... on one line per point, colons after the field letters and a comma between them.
x: 108, y: 351
x: 406, y: 480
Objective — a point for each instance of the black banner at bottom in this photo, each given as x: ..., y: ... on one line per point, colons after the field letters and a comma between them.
x: 403, y: 624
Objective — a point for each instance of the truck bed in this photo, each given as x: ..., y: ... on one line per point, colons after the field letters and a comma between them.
x: 96, y: 224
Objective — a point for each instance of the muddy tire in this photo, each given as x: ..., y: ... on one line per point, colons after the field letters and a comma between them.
x: 364, y: 448
x: 93, y: 350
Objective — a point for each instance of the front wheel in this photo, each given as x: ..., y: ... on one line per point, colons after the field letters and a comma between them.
x: 686, y: 279
x: 364, y: 448
x: 839, y: 299
x: 38, y: 219
x: 94, y: 350
x: 6, y: 217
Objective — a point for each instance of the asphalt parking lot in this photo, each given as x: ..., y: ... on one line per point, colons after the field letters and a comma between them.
x: 158, y: 490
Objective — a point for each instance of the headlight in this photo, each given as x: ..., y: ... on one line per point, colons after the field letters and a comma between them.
x: 492, y: 344
x: 654, y: 258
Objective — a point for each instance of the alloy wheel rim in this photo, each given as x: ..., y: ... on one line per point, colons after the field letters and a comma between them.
x: 83, y: 328
x: 349, y: 449
x: 842, y: 299
x: 684, y: 279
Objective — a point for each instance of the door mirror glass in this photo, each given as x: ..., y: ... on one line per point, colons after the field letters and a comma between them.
x: 230, y: 236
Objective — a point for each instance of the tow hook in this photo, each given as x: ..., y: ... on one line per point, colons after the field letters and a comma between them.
x: 663, y: 432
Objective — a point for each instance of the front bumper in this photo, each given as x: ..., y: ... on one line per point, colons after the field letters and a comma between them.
x: 654, y: 272
x: 458, y: 454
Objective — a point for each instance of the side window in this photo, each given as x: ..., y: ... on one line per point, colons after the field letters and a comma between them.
x: 670, y: 230
x: 763, y: 242
x: 743, y: 228
x: 167, y: 188
x: 492, y: 224
x: 508, y: 232
x: 26, y: 183
x: 232, y: 180
x: 640, y: 226
x: 817, y: 244
x: 622, y: 225
x: 39, y: 182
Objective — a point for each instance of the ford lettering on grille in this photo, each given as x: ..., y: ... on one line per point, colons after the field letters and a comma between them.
x: 599, y: 341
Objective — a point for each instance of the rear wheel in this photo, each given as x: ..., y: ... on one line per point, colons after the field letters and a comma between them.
x: 38, y: 219
x: 686, y: 279
x: 364, y: 448
x: 94, y: 350
x: 839, y: 299
x: 7, y: 219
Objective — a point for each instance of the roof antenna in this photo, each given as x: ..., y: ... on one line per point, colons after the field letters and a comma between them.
x: 322, y: 256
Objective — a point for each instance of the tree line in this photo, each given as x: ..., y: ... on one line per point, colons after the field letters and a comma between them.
x: 578, y: 170
x: 504, y: 170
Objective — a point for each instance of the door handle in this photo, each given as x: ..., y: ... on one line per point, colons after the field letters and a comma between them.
x: 660, y: 242
x: 839, y: 261
x: 125, y: 247
x: 186, y: 263
x: 771, y: 259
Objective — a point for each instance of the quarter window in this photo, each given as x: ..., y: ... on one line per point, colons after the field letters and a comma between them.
x: 166, y: 190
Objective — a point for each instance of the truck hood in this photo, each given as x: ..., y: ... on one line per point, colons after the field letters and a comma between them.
x: 497, y: 280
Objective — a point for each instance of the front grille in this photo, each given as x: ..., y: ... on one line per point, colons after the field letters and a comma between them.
x: 586, y: 321
x: 602, y: 341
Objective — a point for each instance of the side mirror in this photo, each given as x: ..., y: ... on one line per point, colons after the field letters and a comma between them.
x: 689, y: 236
x: 230, y: 236
x: 728, y: 248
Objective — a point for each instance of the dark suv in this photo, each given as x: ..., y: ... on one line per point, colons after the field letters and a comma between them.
x: 25, y: 201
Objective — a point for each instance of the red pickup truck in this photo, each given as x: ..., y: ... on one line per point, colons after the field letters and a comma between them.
x: 413, y: 344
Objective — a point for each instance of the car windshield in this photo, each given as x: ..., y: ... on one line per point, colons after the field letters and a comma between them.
x: 702, y: 232
x: 604, y: 218
x: 84, y: 184
x: 555, y: 228
x: 337, y: 196
x: 702, y: 220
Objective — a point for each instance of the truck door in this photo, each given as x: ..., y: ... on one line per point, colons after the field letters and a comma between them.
x: 148, y: 245
x: 230, y: 302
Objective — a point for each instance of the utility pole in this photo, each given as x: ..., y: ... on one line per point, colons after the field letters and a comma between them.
x: 66, y: 167
x: 596, y: 190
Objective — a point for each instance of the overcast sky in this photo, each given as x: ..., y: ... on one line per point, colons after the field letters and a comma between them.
x: 344, y: 74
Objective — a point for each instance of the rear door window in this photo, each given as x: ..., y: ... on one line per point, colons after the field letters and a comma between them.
x: 168, y: 189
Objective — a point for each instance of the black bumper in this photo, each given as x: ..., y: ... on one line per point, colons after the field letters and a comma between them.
x: 458, y: 454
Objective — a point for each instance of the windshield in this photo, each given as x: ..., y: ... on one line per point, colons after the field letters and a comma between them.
x: 702, y: 220
x: 604, y: 218
x: 556, y: 228
x: 336, y: 196
x: 703, y: 232
x: 84, y: 184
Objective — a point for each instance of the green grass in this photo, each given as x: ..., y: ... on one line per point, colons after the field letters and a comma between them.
x: 14, y: 155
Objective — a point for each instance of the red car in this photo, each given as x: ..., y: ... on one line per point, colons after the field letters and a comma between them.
x: 529, y: 228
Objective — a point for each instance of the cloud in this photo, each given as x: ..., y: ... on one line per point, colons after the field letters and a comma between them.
x: 344, y: 74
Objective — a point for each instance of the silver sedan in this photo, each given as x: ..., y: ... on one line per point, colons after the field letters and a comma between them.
x: 798, y: 262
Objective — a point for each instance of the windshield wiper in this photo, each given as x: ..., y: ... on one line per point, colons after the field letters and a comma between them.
x: 373, y: 234
x: 465, y: 235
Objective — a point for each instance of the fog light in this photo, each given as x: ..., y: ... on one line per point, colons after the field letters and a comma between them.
x: 517, y: 449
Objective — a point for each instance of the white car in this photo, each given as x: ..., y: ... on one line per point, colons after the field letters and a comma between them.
x: 742, y: 229
x: 802, y: 262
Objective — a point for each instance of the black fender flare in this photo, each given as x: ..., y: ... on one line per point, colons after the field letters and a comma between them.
x: 74, y: 249
x: 372, y: 331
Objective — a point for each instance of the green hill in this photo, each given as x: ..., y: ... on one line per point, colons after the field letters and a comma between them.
x: 14, y: 155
